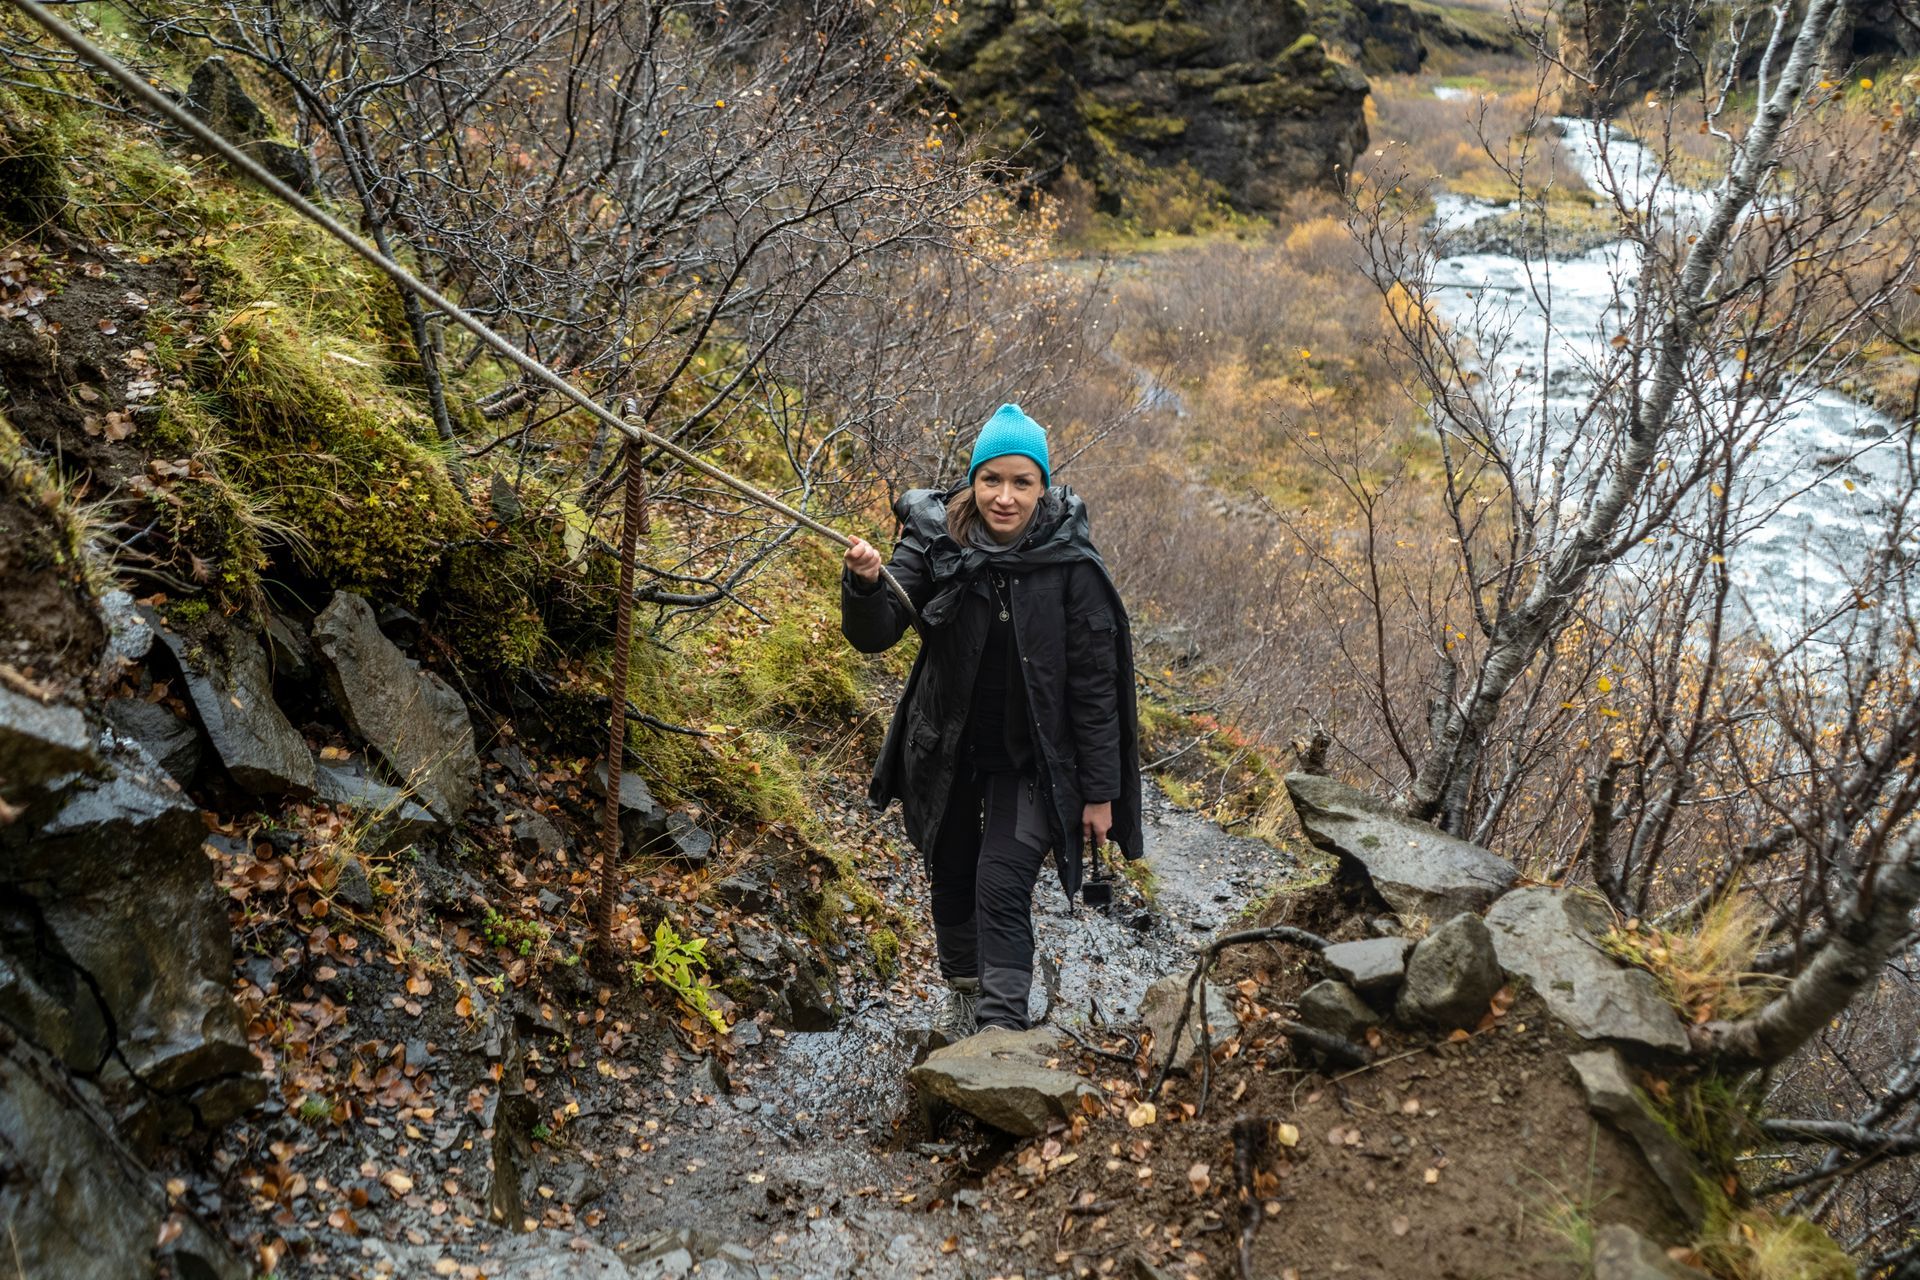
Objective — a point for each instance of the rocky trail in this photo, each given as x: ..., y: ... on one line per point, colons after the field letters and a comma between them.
x: 1422, y: 1071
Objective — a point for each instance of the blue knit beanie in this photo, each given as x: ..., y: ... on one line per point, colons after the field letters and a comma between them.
x: 1011, y: 431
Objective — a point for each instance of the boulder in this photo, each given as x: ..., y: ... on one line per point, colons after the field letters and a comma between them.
x: 643, y: 820
x: 232, y: 693
x: 1335, y: 1007
x: 75, y: 1203
x: 129, y: 934
x: 393, y: 821
x: 1003, y: 1078
x: 412, y: 719
x: 217, y: 97
x: 1452, y: 975
x: 174, y: 742
x: 1161, y: 1006
x: 1612, y: 1096
x: 1621, y: 1253
x: 129, y: 633
x: 1419, y: 870
x: 39, y: 741
x: 687, y: 843
x: 534, y: 835
x: 749, y: 889
x: 1370, y: 966
x: 1548, y: 937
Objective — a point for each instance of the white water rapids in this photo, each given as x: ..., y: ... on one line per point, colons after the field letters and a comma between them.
x: 1818, y: 482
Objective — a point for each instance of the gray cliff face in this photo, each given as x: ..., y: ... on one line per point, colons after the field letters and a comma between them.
x: 1241, y: 94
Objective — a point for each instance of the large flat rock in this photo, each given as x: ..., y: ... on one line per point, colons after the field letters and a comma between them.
x: 1002, y: 1077
x: 412, y: 719
x: 1371, y: 966
x: 1550, y: 938
x: 39, y: 741
x: 1160, y: 1009
x: 231, y: 689
x: 1422, y: 872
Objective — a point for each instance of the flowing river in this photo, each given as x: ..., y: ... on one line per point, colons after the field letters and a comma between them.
x: 1823, y: 468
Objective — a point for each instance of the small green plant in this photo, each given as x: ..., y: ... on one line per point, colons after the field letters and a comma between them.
x: 1140, y: 876
x: 315, y: 1109
x: 543, y: 1132
x: 190, y: 613
x: 886, y: 951
x: 1570, y: 1216
x: 678, y: 964
x: 521, y: 936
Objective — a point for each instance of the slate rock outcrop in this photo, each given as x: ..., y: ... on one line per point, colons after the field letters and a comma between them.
x: 412, y: 719
x: 231, y: 689
x: 75, y: 1203
x: 1419, y: 870
x: 118, y: 954
x: 1243, y: 94
x: 1550, y: 938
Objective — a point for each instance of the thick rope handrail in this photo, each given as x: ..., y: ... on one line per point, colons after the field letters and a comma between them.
x: 135, y: 84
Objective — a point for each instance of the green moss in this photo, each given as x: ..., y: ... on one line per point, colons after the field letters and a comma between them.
x: 486, y: 594
x: 339, y: 463
x: 34, y: 186
x: 189, y: 613
x: 886, y: 950
x: 1155, y: 41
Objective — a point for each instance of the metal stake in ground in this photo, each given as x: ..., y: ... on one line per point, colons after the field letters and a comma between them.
x: 633, y: 523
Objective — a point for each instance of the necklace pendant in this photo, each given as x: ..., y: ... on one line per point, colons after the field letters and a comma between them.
x: 1004, y: 615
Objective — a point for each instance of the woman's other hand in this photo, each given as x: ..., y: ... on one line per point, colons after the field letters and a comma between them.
x: 863, y: 562
x: 1096, y: 820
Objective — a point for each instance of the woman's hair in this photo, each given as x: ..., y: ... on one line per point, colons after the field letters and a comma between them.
x: 962, y: 515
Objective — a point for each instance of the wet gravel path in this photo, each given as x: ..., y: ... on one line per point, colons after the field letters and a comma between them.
x: 805, y: 1166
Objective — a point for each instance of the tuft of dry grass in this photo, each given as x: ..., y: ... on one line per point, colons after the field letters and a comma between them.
x: 1706, y: 972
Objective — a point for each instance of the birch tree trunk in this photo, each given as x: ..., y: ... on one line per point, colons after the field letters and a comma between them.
x: 1520, y: 636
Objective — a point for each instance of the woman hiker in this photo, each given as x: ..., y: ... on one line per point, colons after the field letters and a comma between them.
x: 1017, y: 732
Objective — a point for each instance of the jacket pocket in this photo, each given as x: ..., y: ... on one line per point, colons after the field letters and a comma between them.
x: 1101, y: 640
x: 923, y: 735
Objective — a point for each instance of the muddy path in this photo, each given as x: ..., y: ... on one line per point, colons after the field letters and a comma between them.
x: 815, y: 1163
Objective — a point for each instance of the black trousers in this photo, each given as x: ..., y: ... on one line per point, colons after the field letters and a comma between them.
x: 984, y: 865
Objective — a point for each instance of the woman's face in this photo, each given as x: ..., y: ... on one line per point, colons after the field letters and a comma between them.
x: 1006, y: 490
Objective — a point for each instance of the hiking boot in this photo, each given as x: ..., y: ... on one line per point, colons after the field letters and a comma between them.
x: 957, y: 1021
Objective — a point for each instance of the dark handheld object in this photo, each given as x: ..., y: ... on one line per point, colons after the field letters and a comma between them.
x: 1097, y: 891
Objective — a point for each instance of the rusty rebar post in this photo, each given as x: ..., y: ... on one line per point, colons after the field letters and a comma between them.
x: 633, y: 523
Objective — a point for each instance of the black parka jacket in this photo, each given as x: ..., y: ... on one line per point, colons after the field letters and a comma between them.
x: 1075, y: 653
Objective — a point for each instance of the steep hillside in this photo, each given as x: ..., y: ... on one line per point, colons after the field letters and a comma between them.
x: 1239, y: 101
